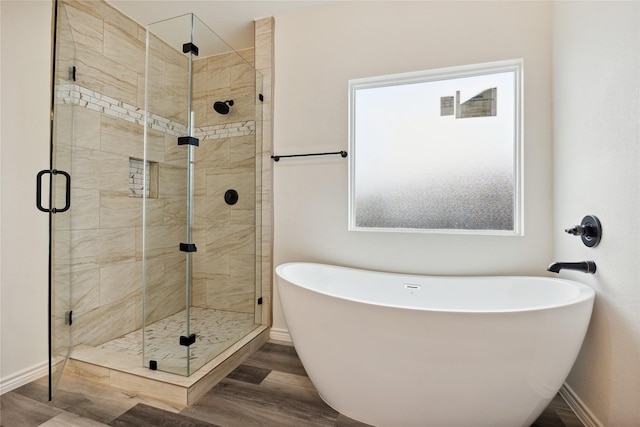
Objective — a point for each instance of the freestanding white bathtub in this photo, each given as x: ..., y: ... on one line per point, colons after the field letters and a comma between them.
x: 403, y: 350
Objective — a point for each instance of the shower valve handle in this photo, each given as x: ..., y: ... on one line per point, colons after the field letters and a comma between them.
x: 589, y: 230
x: 579, y: 230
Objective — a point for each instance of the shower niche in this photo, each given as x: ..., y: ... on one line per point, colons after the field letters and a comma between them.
x: 201, y: 284
x: 153, y: 273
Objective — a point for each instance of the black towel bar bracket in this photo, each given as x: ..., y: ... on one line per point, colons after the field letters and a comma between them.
x: 277, y: 158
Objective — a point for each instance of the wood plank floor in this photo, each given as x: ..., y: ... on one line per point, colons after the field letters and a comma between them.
x: 270, y: 389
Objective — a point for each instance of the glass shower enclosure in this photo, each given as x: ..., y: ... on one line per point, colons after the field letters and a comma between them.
x: 199, y: 181
x: 153, y: 196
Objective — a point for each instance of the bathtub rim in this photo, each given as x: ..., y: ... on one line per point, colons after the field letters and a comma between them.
x: 586, y: 294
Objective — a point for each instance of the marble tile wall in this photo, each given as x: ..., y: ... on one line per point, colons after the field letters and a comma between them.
x: 224, y: 266
x: 99, y: 246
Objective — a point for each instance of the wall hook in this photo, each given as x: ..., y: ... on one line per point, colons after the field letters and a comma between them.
x: 590, y: 230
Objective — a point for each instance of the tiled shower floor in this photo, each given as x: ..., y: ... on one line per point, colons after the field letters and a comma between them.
x: 215, y: 331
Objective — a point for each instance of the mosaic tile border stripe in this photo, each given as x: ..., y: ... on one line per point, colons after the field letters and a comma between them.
x: 70, y: 93
x: 226, y: 130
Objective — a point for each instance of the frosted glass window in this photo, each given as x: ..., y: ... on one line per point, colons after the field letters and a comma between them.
x: 437, y: 150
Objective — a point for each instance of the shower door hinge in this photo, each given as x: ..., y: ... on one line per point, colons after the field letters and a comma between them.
x: 190, y: 48
x: 261, y: 97
x: 153, y: 365
x: 72, y: 73
x: 68, y: 318
x: 260, y: 301
x: 188, y: 140
x: 187, y: 341
x: 188, y: 247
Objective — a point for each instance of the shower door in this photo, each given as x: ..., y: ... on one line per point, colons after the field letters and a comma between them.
x: 54, y: 197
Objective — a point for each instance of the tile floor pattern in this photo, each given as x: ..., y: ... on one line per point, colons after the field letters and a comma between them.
x: 270, y: 389
x: 215, y: 331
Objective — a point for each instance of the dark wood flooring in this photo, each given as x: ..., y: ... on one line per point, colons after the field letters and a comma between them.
x: 270, y: 389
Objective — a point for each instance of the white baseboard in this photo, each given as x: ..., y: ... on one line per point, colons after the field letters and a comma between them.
x: 23, y: 377
x: 280, y: 335
x: 578, y: 406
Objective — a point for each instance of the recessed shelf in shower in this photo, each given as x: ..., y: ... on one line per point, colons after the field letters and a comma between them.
x: 141, y: 183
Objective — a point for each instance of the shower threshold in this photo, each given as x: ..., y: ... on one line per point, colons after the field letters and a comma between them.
x: 118, y: 363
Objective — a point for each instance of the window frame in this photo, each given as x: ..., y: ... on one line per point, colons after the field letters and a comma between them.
x: 514, y: 65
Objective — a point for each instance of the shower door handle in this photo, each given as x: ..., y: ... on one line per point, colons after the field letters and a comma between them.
x: 67, y: 204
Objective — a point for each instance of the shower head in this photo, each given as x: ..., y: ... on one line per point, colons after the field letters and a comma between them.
x: 222, y: 107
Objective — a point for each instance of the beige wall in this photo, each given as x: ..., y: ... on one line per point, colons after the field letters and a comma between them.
x: 24, y: 141
x: 596, y: 158
x: 318, y: 51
